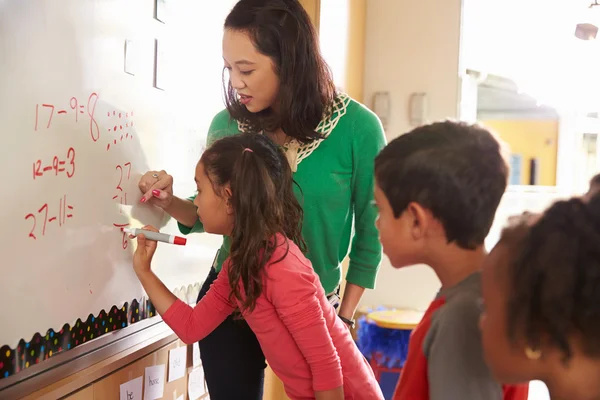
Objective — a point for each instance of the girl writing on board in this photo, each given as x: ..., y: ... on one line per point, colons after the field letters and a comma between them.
x: 541, y: 294
x: 279, y: 85
x: 245, y: 192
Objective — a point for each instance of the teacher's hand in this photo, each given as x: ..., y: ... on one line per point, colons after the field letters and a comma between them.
x: 157, y: 188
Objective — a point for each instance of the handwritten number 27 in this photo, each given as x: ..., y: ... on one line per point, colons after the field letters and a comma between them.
x: 120, y: 168
x: 28, y: 216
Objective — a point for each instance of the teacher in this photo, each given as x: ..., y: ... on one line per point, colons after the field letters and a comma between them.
x: 278, y: 84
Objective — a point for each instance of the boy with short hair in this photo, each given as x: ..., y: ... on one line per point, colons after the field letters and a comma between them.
x: 437, y: 189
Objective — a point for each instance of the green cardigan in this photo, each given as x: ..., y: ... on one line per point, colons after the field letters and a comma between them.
x: 337, y: 180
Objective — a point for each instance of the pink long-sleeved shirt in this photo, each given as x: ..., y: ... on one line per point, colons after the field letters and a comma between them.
x: 308, y: 347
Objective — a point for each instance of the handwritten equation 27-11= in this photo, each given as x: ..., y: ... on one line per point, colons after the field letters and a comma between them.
x: 44, y: 113
x: 47, y: 216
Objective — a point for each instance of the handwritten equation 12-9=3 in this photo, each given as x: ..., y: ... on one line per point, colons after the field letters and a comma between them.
x: 66, y: 165
x: 48, y: 215
x: 45, y: 113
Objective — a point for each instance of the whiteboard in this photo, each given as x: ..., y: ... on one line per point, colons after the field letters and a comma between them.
x: 81, y: 121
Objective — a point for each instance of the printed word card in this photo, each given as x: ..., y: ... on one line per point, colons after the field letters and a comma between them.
x: 132, y: 390
x: 177, y: 363
x: 154, y: 385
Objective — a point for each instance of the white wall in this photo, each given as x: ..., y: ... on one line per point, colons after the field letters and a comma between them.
x: 411, y: 46
x: 333, y: 34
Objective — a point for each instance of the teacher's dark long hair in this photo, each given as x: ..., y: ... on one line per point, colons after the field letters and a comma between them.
x: 282, y: 30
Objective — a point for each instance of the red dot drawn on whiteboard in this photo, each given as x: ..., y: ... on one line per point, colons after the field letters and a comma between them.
x: 120, y: 123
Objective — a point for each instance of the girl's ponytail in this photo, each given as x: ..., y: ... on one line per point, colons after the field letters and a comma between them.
x: 259, y: 216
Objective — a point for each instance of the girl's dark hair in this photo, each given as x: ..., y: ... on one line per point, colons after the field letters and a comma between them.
x: 554, y: 277
x: 264, y: 205
x: 282, y: 30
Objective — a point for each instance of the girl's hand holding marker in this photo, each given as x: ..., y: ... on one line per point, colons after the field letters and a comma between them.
x: 147, y: 239
x: 153, y: 234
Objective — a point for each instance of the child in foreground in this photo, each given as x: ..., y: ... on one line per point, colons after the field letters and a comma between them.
x: 245, y: 192
x: 541, y: 292
x: 437, y: 190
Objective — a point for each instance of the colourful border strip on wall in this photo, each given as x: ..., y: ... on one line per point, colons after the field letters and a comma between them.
x: 42, y: 347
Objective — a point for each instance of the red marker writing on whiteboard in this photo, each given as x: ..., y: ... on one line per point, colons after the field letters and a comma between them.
x: 159, y: 237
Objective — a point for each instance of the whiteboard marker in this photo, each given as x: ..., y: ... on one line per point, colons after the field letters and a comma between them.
x: 159, y: 237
